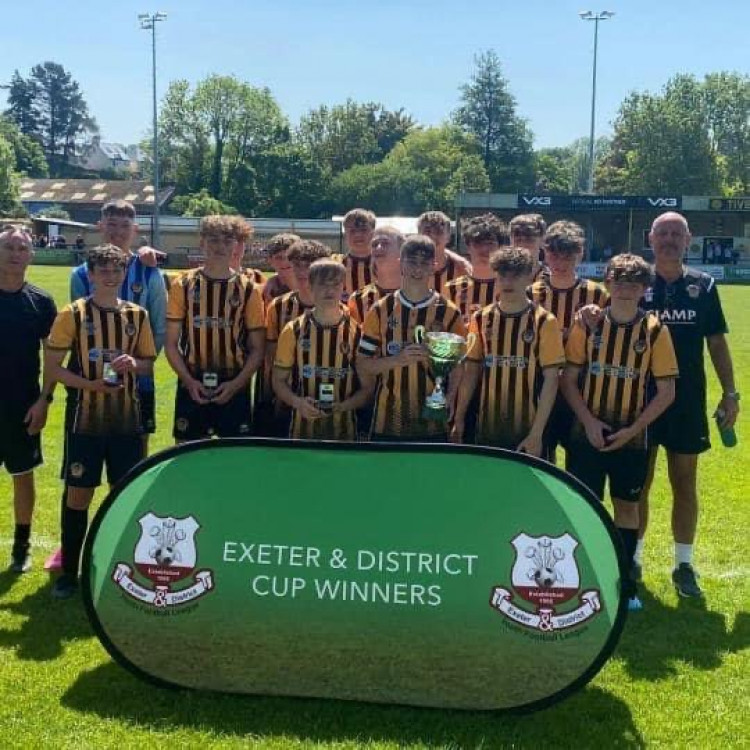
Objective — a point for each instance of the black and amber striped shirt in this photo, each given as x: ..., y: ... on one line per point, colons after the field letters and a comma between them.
x: 617, y: 360
x: 401, y: 392
x: 514, y: 350
x: 318, y: 355
x: 565, y: 303
x: 362, y: 301
x: 449, y: 272
x: 358, y: 272
x: 94, y: 336
x: 216, y: 316
x: 470, y: 295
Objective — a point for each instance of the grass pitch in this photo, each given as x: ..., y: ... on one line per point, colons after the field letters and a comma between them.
x: 678, y: 678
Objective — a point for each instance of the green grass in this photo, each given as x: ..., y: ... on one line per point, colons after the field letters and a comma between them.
x: 678, y: 677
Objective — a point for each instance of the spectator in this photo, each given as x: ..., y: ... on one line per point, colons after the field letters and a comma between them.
x: 80, y: 244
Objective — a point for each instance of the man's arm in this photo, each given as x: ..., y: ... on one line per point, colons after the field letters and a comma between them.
x: 464, y: 264
x: 470, y: 374
x: 361, y: 397
x: 373, y: 366
x: 54, y: 372
x: 157, y: 308
x: 281, y: 387
x: 721, y: 358
x: 594, y: 427
x: 255, y: 342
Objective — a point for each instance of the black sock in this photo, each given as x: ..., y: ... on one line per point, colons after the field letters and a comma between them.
x: 63, y: 505
x: 629, y: 541
x: 73, y: 533
x: 21, y: 536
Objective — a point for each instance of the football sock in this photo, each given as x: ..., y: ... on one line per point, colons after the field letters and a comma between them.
x: 629, y: 541
x: 683, y: 553
x: 73, y: 534
x: 22, y: 534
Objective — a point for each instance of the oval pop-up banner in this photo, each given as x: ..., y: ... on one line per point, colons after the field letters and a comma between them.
x: 429, y: 575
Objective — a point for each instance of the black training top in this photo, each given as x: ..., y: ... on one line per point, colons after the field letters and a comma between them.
x: 691, y: 309
x: 26, y: 317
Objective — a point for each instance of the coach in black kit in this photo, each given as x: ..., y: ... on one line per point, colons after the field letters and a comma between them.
x: 687, y: 301
x: 26, y: 315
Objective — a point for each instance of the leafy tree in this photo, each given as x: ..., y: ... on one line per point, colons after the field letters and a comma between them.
x: 29, y: 155
x: 49, y: 107
x: 488, y: 112
x: 347, y: 134
x: 9, y: 203
x: 201, y: 203
x: 54, y: 212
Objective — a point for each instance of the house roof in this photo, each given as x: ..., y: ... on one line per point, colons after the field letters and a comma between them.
x: 138, y: 192
x: 115, y: 151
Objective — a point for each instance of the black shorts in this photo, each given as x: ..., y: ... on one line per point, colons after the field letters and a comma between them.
x: 147, y: 400
x: 86, y: 455
x: 193, y: 421
x: 683, y: 428
x: 626, y: 470
x: 559, y: 425
x: 396, y: 439
x: 20, y: 452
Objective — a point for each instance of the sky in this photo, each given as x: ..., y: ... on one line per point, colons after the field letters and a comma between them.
x: 413, y: 54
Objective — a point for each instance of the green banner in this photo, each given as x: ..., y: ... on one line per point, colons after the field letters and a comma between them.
x: 430, y: 575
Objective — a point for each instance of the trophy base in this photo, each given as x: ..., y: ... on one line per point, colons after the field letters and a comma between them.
x: 435, y: 413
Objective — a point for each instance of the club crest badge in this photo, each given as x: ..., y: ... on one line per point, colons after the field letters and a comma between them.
x: 165, y: 555
x: 136, y: 288
x: 130, y: 329
x: 693, y: 291
x: 639, y: 347
x: 648, y: 295
x: 528, y: 335
x: 545, y: 575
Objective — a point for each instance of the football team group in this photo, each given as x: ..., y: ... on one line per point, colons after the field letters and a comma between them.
x: 330, y: 348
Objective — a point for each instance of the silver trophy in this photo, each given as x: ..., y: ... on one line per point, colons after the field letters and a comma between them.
x: 446, y: 350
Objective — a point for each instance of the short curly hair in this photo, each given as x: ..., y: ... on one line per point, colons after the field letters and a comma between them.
x: 326, y: 270
x: 565, y: 238
x: 308, y: 251
x: 485, y: 228
x: 359, y: 217
x: 218, y: 224
x: 512, y: 261
x: 630, y: 268
x: 242, y: 229
x: 281, y: 242
x: 528, y: 225
x: 105, y: 255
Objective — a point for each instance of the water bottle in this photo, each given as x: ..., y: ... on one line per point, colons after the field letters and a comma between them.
x: 728, y: 435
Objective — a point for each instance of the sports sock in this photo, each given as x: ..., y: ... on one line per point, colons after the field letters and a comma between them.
x: 638, y: 554
x: 629, y: 541
x: 73, y: 534
x: 683, y: 553
x: 22, y: 534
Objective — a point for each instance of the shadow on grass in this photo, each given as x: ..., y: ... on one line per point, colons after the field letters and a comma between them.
x: 49, y: 624
x: 656, y: 641
x: 112, y: 693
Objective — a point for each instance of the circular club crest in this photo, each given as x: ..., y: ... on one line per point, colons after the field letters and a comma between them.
x: 693, y: 291
x: 76, y: 470
x: 528, y: 335
x: 130, y: 329
x: 304, y: 344
x: 182, y: 424
x: 639, y: 347
x: 136, y: 288
x: 234, y: 300
x: 345, y: 348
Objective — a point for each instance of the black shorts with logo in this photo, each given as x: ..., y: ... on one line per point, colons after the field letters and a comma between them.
x: 20, y: 452
x: 147, y: 403
x: 683, y: 427
x: 194, y: 421
x: 86, y: 455
x: 626, y: 469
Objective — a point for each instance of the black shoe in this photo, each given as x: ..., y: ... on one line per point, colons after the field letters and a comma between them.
x: 20, y: 559
x: 684, y: 579
x: 65, y: 587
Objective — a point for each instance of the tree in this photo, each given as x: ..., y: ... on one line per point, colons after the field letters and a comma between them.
x: 691, y: 138
x: 29, y: 156
x: 210, y: 137
x: 9, y: 202
x: 488, y: 112
x: 49, y: 107
x: 425, y: 171
x: 199, y: 204
x: 54, y: 212
x: 352, y: 133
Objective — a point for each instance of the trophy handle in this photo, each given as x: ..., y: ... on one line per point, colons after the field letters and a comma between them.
x: 470, y: 339
x: 419, y: 334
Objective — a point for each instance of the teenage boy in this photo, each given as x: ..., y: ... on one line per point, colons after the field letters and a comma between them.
x: 514, y: 359
x: 605, y: 382
x: 215, y: 339
x: 110, y: 343
x: 483, y: 235
x: 528, y: 230
x: 282, y: 281
x: 359, y: 224
x: 243, y: 231
x: 448, y: 265
x: 389, y: 350
x: 26, y: 315
x: 563, y: 293
x: 386, y: 266
x: 314, y: 371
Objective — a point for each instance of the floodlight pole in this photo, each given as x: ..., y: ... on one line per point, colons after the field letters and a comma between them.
x: 604, y: 15
x: 148, y: 23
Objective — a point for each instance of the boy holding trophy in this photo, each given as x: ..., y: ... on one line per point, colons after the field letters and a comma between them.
x: 390, y: 347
